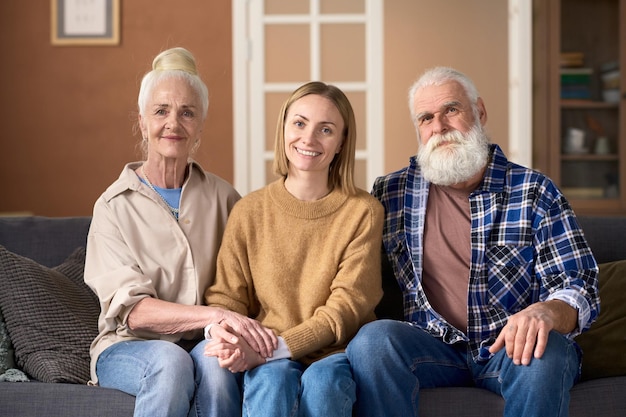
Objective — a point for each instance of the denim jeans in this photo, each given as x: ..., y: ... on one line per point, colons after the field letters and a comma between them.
x: 168, y: 381
x: 286, y: 388
x: 392, y: 360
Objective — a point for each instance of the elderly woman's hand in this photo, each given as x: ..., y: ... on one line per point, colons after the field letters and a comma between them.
x: 260, y: 338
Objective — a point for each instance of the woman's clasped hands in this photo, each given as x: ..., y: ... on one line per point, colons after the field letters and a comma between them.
x: 239, y: 342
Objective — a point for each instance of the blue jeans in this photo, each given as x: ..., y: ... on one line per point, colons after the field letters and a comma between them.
x: 286, y: 388
x: 392, y: 360
x: 168, y: 381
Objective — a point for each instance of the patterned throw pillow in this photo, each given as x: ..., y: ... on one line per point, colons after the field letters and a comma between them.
x: 51, y: 316
x: 604, y: 343
x: 6, y: 348
x: 8, y: 373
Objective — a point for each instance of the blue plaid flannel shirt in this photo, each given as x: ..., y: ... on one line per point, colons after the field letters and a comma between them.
x: 526, y: 246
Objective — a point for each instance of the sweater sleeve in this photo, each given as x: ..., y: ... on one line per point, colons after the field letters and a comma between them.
x: 233, y: 288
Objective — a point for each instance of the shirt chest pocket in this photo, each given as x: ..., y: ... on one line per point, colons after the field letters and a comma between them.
x: 510, y: 282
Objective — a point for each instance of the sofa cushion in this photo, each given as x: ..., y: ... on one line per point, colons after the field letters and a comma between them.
x: 604, y: 343
x: 63, y: 400
x: 46, y: 240
x: 6, y: 347
x: 8, y: 372
x: 51, y: 316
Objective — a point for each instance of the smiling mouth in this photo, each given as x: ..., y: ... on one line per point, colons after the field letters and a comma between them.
x: 307, y: 153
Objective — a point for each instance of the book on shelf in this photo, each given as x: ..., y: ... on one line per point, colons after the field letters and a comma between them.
x: 573, y: 92
x: 576, y: 73
x: 576, y: 83
x: 572, y: 59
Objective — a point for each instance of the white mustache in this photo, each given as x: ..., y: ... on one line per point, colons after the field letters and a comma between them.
x: 453, y: 137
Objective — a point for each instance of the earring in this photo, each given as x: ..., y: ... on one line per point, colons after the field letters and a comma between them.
x: 195, y: 147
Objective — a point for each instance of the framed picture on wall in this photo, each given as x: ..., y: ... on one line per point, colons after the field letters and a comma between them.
x: 85, y: 22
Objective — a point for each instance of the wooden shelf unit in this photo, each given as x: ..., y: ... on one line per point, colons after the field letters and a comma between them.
x: 597, y: 31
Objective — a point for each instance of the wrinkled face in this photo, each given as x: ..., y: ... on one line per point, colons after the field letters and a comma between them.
x: 439, y: 109
x: 313, y: 134
x: 172, y: 120
x: 453, y: 144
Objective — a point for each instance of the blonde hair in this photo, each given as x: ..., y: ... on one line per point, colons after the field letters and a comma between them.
x: 341, y: 172
x: 174, y: 62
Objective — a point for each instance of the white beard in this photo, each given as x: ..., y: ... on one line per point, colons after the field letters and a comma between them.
x: 459, y: 159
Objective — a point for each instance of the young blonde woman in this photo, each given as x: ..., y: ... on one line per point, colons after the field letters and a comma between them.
x: 302, y: 256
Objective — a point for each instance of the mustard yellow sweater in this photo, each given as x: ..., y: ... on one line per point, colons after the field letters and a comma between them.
x: 308, y: 270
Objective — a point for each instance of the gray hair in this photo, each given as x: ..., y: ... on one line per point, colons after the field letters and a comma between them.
x: 175, y: 62
x: 439, y: 76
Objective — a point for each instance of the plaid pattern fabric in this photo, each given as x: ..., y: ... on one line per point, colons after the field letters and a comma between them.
x: 526, y: 247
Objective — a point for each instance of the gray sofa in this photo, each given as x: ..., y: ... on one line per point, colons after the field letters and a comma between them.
x: 49, y: 241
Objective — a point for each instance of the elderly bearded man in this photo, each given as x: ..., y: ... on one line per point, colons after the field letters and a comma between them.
x: 496, y: 275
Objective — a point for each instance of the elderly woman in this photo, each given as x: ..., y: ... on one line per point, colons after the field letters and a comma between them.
x: 302, y: 256
x: 151, y: 255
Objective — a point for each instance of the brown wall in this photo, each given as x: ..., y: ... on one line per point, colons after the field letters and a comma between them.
x: 67, y: 112
x: 470, y: 36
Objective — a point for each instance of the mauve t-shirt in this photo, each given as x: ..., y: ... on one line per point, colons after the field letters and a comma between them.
x: 447, y: 253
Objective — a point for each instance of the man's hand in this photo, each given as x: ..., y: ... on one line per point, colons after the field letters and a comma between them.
x: 526, y: 333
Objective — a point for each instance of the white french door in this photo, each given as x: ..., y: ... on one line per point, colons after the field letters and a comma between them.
x: 279, y: 45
